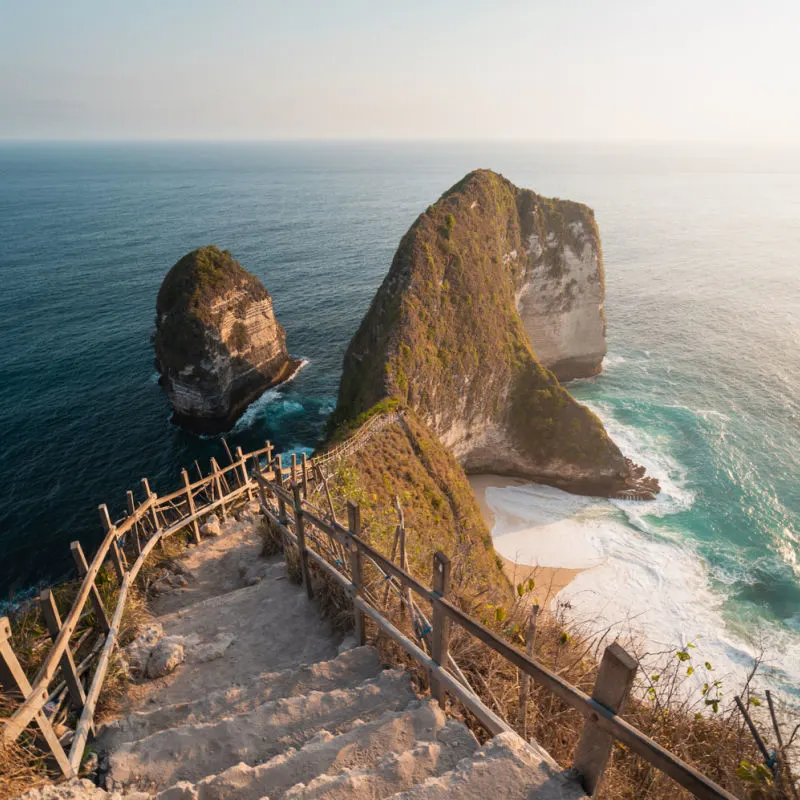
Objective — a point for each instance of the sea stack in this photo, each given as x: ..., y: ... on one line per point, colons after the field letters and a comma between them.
x: 218, y: 345
x: 491, y: 289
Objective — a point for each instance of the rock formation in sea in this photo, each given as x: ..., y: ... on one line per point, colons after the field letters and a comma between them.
x: 485, y: 280
x: 218, y: 345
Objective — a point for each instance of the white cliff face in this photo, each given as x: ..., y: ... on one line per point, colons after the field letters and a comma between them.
x: 561, y: 302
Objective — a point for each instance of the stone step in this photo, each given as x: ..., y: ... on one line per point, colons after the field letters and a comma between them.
x: 505, y: 767
x: 347, y: 670
x: 395, y: 771
x: 359, y: 748
x: 190, y: 752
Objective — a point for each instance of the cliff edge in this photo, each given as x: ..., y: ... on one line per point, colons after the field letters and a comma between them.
x: 485, y: 279
x: 218, y: 345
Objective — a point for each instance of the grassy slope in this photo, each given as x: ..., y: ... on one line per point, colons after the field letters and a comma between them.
x: 405, y: 460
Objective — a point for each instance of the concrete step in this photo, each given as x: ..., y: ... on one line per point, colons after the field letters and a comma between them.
x: 190, y: 752
x: 395, y: 771
x: 269, y: 626
x: 358, y: 749
x: 347, y: 670
x: 506, y: 767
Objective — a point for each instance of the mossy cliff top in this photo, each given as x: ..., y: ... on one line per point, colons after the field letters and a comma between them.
x: 201, y: 277
x: 443, y: 336
x: 218, y: 345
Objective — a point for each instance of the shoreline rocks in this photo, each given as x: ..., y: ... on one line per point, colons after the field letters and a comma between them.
x: 218, y: 344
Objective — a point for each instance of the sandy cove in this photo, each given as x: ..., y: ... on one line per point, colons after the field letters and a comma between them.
x: 549, y: 580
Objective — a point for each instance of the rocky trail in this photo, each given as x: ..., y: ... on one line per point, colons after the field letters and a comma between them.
x: 244, y: 691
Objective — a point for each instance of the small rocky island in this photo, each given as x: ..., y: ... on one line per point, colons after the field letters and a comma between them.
x: 218, y: 345
x: 495, y: 294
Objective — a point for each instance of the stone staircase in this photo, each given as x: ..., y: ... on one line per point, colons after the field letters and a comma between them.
x: 267, y: 702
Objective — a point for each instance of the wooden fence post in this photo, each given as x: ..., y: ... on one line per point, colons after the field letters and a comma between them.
x: 441, y: 624
x: 137, y: 542
x: 218, y: 486
x: 356, y: 571
x: 293, y: 477
x: 82, y: 566
x: 300, y: 530
x: 192, y: 509
x: 614, y: 682
x: 13, y: 679
x: 282, y: 518
x: 227, y: 450
x: 151, y: 496
x: 304, y: 465
x: 525, y: 679
x: 116, y: 556
x: 47, y: 604
x: 243, y: 468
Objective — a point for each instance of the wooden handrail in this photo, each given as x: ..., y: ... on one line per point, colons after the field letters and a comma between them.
x: 304, y: 513
x: 37, y: 698
x: 593, y: 711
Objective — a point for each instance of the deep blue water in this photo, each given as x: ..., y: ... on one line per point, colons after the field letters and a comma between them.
x: 701, y: 250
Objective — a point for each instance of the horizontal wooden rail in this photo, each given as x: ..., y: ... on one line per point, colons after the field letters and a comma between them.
x: 37, y: 697
x: 295, y: 510
x: 594, y: 712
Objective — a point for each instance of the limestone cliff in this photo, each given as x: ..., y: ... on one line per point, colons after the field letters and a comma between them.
x: 444, y: 336
x: 218, y: 345
x: 561, y: 298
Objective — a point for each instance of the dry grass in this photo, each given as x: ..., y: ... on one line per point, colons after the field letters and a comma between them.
x: 705, y: 731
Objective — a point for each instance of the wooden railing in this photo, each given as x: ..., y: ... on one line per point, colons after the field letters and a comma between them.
x: 341, y: 553
x: 130, y: 539
x: 359, y: 438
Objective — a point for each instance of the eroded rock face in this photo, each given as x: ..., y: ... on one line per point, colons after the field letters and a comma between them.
x: 218, y: 344
x: 561, y: 298
x: 489, y: 287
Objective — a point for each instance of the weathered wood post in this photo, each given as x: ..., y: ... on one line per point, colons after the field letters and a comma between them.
x: 192, y: 510
x: 116, y: 556
x: 293, y: 477
x: 614, y: 682
x: 304, y: 466
x: 227, y: 450
x: 356, y: 571
x: 300, y: 531
x: 321, y: 477
x: 218, y: 487
x: 440, y: 643
x: 13, y: 679
x: 153, y: 497
x: 52, y: 618
x: 405, y: 592
x: 268, y: 445
x: 243, y: 470
x: 94, y: 595
x: 137, y: 541
x: 282, y: 518
x: 525, y: 679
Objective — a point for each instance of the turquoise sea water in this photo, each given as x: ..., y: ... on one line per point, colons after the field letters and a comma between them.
x: 703, y: 305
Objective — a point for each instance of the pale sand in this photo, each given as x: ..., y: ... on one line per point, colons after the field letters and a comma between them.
x: 549, y: 580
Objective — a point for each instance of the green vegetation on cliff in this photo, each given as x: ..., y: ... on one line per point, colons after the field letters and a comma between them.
x: 201, y: 276
x: 184, y: 307
x: 443, y: 334
x: 406, y: 461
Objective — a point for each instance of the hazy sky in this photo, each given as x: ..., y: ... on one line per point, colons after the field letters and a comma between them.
x: 720, y: 70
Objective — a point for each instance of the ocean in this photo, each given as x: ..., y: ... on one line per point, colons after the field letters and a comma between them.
x: 701, y: 383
